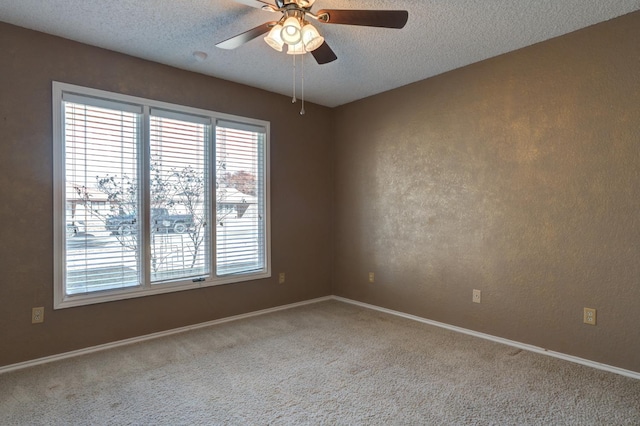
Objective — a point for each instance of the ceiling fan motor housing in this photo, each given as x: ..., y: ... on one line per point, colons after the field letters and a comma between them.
x: 303, y: 4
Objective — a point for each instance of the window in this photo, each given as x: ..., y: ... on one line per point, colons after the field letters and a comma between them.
x: 152, y: 197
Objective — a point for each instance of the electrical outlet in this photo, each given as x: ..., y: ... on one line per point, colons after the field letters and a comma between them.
x: 37, y: 315
x: 281, y: 278
x: 372, y: 277
x: 589, y: 316
x: 476, y: 296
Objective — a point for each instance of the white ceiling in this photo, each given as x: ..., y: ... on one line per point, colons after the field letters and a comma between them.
x: 440, y: 35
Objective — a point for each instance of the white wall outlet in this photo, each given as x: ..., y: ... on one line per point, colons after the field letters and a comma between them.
x: 37, y: 315
x: 372, y: 277
x: 476, y: 296
x: 589, y: 316
x: 281, y: 278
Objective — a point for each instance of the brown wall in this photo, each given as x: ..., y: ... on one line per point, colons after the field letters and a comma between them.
x: 301, y: 184
x: 518, y: 176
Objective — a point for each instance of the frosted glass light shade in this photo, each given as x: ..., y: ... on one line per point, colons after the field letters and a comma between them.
x: 311, y: 38
x: 296, y: 49
x: 273, y: 39
x: 290, y: 32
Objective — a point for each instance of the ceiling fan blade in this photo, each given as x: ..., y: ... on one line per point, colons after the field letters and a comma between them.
x: 258, y: 4
x: 240, y: 39
x: 369, y: 18
x: 324, y: 54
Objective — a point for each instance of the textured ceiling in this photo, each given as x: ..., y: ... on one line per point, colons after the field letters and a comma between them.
x: 440, y: 35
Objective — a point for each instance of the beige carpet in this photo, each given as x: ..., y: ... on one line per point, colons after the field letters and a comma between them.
x: 327, y: 363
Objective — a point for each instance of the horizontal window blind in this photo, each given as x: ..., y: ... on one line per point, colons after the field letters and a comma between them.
x: 152, y: 197
x: 179, y: 182
x: 240, y: 207
x: 101, y: 181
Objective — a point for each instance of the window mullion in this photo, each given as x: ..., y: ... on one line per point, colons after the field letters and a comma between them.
x: 261, y: 164
x: 144, y: 231
x: 211, y: 201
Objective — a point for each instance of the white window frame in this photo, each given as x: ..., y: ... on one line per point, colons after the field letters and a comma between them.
x: 61, y: 298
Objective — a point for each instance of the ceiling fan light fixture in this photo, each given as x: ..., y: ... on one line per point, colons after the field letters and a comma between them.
x: 311, y: 38
x: 273, y: 39
x: 296, y: 49
x: 291, y: 32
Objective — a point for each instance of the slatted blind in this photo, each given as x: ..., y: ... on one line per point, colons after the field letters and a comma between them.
x: 240, y: 198
x: 178, y: 183
x: 101, y: 180
x: 154, y: 197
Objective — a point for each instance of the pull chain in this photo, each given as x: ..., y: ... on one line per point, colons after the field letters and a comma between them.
x: 302, y: 83
x: 293, y: 100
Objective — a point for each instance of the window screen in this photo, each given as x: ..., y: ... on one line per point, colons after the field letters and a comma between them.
x: 178, y: 182
x: 101, y: 176
x: 240, y: 229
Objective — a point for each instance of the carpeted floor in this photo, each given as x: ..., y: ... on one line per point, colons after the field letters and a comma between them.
x: 326, y: 363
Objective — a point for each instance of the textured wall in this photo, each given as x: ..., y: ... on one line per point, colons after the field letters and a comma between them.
x: 302, y: 195
x: 518, y: 176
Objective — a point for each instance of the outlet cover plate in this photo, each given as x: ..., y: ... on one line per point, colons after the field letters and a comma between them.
x: 589, y: 316
x: 37, y: 315
x: 476, y: 296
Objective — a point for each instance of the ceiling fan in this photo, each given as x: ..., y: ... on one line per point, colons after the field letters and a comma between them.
x: 294, y: 30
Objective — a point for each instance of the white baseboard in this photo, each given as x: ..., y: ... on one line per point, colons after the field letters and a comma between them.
x: 524, y: 346
x: 57, y: 357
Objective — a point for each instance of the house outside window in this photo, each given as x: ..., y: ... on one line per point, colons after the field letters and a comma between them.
x: 153, y: 197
